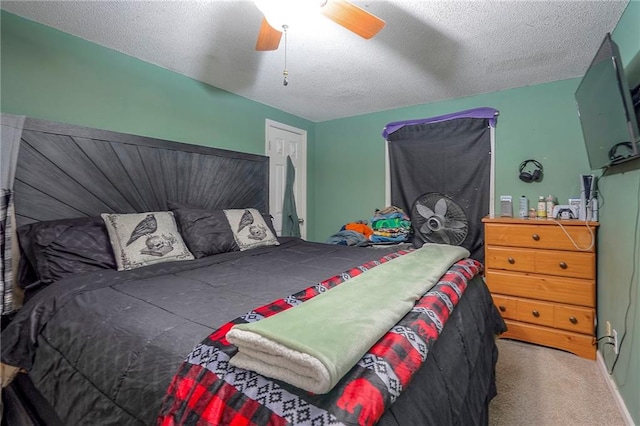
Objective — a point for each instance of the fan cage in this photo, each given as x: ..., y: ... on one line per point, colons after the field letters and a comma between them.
x: 432, y: 226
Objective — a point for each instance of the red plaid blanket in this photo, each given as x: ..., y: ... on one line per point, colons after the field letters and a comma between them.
x: 207, y: 390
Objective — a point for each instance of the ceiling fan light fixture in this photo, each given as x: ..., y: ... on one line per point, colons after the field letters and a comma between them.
x: 285, y: 12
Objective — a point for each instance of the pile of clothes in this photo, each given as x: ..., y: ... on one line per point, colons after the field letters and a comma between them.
x: 352, y: 234
x: 388, y: 226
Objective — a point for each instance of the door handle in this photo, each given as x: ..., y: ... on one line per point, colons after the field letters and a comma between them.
x: 300, y: 221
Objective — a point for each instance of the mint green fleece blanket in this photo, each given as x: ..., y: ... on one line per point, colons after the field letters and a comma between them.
x: 313, y: 345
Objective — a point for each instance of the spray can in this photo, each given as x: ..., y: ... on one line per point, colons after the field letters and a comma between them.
x: 523, y: 207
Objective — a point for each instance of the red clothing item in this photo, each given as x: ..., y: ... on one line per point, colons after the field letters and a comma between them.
x: 359, y: 227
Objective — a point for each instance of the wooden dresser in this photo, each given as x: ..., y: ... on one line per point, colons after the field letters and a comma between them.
x: 543, y: 285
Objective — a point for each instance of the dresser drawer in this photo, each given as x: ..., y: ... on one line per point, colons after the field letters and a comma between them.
x: 543, y: 287
x: 539, y: 236
x: 511, y: 259
x: 573, y: 318
x: 565, y: 263
x: 506, y: 306
x: 549, y: 262
x: 534, y: 312
x: 580, y: 344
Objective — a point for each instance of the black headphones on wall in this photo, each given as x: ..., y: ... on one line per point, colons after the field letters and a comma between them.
x: 615, y: 155
x: 533, y: 176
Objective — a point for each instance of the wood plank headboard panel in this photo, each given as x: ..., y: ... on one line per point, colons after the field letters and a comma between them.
x: 67, y: 171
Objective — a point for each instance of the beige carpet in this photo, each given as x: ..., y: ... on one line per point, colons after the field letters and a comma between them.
x: 542, y: 386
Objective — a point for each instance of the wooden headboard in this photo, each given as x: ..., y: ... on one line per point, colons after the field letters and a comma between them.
x: 67, y: 171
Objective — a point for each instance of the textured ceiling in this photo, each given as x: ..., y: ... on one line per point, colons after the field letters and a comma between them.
x: 428, y: 51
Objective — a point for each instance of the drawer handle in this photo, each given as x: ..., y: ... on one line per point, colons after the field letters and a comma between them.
x: 535, y: 313
x: 563, y: 265
x: 511, y: 260
x: 573, y: 320
x: 536, y: 237
x: 502, y: 308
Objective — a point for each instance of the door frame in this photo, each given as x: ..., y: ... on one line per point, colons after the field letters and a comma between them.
x: 301, y: 207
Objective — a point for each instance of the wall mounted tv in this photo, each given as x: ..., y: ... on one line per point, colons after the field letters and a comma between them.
x: 606, y: 112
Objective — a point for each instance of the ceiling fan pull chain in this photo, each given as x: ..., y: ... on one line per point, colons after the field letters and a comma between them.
x: 285, y: 73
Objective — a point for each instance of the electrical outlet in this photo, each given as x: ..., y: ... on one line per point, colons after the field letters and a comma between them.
x: 608, y: 331
x: 615, y: 342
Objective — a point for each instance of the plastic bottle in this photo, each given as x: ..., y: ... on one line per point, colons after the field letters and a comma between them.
x: 542, y: 208
x: 551, y: 202
x: 524, y: 207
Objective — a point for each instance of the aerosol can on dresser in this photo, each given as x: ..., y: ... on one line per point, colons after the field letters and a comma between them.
x: 523, y: 209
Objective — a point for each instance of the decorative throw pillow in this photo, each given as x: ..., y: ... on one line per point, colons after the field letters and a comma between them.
x: 249, y: 229
x: 58, y: 248
x: 73, y: 250
x: 206, y: 232
x: 268, y: 219
x: 141, y: 239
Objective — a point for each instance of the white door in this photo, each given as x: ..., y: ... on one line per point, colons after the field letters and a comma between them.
x: 283, y: 141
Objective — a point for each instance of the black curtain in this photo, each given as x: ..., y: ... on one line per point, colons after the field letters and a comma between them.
x: 452, y: 158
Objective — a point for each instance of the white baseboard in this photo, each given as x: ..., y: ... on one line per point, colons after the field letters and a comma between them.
x: 613, y: 388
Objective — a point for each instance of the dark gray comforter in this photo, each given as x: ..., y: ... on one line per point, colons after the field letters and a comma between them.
x: 103, y: 347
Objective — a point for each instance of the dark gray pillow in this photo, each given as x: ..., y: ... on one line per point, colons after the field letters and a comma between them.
x: 59, y: 248
x: 206, y: 232
x: 268, y: 219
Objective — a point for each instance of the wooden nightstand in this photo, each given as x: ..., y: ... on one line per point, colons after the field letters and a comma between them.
x: 543, y: 284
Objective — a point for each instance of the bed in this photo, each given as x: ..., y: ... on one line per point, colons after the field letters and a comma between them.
x: 107, y: 346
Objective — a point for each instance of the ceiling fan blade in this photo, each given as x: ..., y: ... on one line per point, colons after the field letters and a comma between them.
x: 352, y: 17
x: 268, y: 37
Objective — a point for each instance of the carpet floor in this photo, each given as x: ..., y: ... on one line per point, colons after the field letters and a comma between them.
x: 542, y: 386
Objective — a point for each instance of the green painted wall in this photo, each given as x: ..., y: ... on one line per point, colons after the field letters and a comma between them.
x: 535, y: 122
x: 619, y: 245
x: 53, y: 75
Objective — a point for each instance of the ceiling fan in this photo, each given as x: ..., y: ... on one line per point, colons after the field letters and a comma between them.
x: 342, y: 12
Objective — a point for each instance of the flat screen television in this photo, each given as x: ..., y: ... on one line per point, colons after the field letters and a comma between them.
x: 606, y: 112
